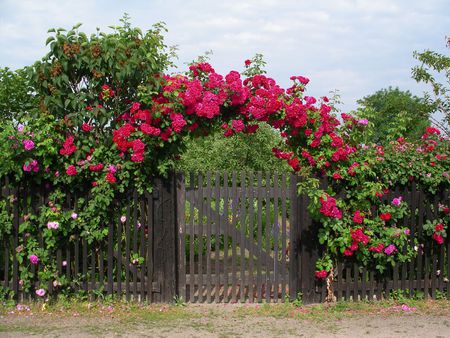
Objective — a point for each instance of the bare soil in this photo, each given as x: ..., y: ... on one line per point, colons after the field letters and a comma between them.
x: 238, y: 320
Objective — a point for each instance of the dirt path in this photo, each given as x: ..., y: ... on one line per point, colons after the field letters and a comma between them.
x: 226, y: 321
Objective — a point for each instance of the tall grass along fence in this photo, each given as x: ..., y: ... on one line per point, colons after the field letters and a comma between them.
x: 220, y: 237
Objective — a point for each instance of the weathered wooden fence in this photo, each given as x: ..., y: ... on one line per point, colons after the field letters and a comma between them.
x: 221, y: 237
x: 146, y: 229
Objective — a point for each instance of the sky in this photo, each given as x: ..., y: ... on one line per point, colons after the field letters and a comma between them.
x: 353, y: 46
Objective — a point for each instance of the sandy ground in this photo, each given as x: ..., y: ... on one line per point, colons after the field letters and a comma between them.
x: 210, y: 321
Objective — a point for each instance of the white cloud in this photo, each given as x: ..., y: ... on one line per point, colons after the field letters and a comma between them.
x: 357, y: 46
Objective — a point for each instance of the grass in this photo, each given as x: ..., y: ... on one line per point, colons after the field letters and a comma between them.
x: 341, y: 310
x: 119, y: 318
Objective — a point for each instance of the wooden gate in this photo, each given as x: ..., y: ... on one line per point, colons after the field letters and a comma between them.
x: 234, y: 239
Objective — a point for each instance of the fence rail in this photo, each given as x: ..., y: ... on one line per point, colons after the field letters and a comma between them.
x: 217, y: 237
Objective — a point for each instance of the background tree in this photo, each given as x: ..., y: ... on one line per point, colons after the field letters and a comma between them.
x: 433, y: 66
x: 394, y: 113
x: 16, y: 95
x: 248, y: 152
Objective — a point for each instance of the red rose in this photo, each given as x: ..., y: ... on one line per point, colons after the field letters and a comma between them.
x: 247, y: 63
x: 86, y: 127
x: 385, y: 217
x: 110, y: 178
x: 348, y: 252
x: 438, y: 238
x: 439, y: 227
x: 322, y: 274
x: 357, y: 217
x: 71, y: 170
x: 337, y: 176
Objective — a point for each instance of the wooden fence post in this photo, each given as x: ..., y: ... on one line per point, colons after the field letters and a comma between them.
x: 165, y: 237
x: 294, y: 241
x: 304, y: 248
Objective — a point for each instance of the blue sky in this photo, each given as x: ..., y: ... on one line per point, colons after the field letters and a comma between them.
x: 354, y: 46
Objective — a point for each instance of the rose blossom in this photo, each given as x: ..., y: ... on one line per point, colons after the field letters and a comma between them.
x: 28, y: 144
x: 112, y: 169
x: 34, y: 259
x: 20, y: 127
x: 123, y: 219
x: 40, y: 292
x: 74, y: 215
x: 396, y: 201
x: 363, y: 122
x: 390, y: 249
x: 64, y: 263
x: 53, y: 225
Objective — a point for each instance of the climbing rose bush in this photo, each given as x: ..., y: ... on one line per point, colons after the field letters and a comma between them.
x: 116, y: 131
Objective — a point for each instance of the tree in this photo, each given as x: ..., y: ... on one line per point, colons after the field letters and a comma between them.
x: 394, y: 113
x: 248, y: 152
x: 434, y: 65
x: 16, y: 95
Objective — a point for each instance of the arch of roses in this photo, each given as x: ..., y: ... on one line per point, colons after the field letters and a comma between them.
x: 141, y: 141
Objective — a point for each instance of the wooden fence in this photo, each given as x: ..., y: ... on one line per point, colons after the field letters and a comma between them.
x: 220, y: 237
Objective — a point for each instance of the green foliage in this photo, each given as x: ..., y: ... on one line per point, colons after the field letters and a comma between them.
x: 16, y: 95
x: 240, y: 152
x: 70, y: 77
x: 393, y: 113
x: 432, y: 66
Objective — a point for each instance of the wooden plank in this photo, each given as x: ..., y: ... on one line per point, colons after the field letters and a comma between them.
x: 142, y: 247
x: 181, y: 204
x: 364, y: 284
x: 259, y: 238
x: 355, y: 282
x: 347, y: 282
x: 135, y: 241
x: 217, y: 233
x: 294, y: 240
x: 119, y: 256
x: 101, y: 265
x: 127, y: 251
x: 15, y: 233
x: 6, y: 240
x: 110, y: 256
x: 371, y: 285
x: 268, y: 284
x: 225, y: 237
x: 276, y: 229
x: 234, y: 210
x: 201, y: 208
x: 251, y: 238
x: 413, y: 199
x: 420, y: 251
x: 77, y: 255
x: 149, y: 243
x: 283, y: 235
x: 243, y: 199
x: 192, y: 204
x: 93, y: 260
x: 208, y: 237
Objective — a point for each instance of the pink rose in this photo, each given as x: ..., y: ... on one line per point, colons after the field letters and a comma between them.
x: 34, y: 259
x: 40, y: 292
x: 28, y: 144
